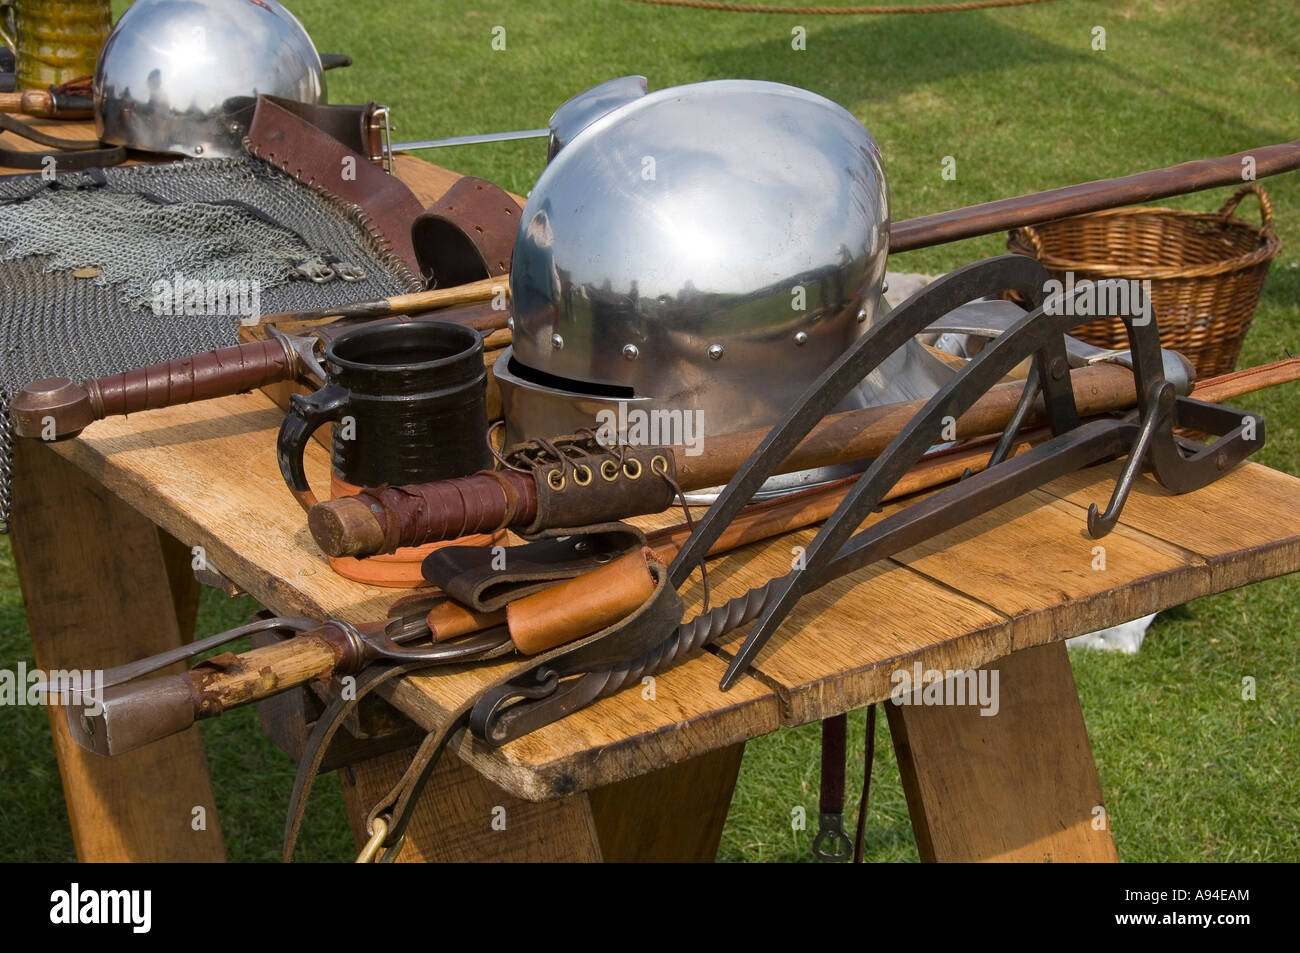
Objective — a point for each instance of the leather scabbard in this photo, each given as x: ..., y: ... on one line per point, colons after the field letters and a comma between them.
x: 576, y: 607
x: 312, y: 156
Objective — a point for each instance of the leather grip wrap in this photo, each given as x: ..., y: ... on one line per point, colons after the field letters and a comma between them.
x: 482, y: 502
x: 219, y: 373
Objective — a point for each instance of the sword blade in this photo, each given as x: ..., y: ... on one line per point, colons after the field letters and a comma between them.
x: 471, y: 140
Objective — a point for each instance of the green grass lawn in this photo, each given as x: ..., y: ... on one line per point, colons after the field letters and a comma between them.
x: 1022, y: 102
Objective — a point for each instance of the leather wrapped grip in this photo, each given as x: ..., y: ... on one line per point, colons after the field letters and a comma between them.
x: 219, y: 373
x: 584, y: 491
x: 385, y: 520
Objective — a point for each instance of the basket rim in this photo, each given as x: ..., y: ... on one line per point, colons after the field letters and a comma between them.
x: 1271, y: 244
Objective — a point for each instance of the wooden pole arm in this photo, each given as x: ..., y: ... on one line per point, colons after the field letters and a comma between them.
x: 1038, y: 207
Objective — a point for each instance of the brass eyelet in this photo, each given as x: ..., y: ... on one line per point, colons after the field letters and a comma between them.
x: 578, y: 472
x: 659, y: 464
x: 609, y: 470
x: 629, y: 472
x: 551, y: 480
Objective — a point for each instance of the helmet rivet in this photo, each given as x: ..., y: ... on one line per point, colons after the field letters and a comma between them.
x: 630, y: 352
x: 510, y: 323
x: 557, y: 342
x: 198, y: 150
x: 884, y: 286
x: 715, y: 351
x: 801, y: 337
x: 862, y: 315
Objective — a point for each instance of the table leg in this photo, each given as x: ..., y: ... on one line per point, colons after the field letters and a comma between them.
x: 673, y: 814
x: 1020, y: 785
x: 103, y: 586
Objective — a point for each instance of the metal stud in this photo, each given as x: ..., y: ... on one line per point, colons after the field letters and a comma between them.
x: 801, y: 337
x: 630, y: 352
x: 557, y: 342
x: 715, y: 352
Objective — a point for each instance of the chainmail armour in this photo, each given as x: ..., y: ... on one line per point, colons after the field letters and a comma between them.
x: 80, y: 257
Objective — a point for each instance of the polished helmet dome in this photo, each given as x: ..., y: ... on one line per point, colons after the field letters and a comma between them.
x: 171, y: 67
x: 709, y: 247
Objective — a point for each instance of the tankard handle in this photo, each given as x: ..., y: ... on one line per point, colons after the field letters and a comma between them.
x: 306, y: 415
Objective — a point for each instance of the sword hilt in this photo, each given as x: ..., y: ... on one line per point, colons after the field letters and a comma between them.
x: 56, y: 408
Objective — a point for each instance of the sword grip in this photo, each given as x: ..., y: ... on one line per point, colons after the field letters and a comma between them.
x: 55, y: 408
x: 385, y: 520
x: 129, y: 716
x: 220, y: 373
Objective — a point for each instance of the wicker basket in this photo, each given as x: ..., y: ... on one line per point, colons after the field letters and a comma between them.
x: 1206, y: 271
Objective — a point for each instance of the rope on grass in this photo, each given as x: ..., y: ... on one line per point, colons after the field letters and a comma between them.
x: 842, y: 11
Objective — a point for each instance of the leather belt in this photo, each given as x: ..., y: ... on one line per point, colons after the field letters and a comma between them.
x: 360, y: 128
x: 287, y: 140
x: 68, y: 154
x: 467, y: 235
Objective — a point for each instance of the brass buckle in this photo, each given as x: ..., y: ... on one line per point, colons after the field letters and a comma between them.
x: 379, y: 122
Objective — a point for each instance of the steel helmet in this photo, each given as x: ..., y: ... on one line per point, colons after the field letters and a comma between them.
x: 169, y: 68
x: 711, y: 247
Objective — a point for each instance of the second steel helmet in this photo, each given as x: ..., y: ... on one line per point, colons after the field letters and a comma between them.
x: 170, y: 68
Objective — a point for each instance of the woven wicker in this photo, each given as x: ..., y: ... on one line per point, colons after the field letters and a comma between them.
x: 1206, y: 271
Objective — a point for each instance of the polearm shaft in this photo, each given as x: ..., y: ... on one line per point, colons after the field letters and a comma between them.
x: 413, y: 303
x: 1094, y: 196
x: 489, y: 501
x: 43, y: 104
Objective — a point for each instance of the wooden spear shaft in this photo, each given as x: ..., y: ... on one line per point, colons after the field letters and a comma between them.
x: 414, y: 303
x: 1085, y: 197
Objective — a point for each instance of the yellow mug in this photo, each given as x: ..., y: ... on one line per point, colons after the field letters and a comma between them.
x: 55, y: 41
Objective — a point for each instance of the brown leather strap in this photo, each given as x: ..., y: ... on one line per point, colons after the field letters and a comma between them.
x: 486, y: 580
x: 313, y: 157
x: 625, y: 638
x: 68, y: 154
x: 467, y: 235
x: 860, y: 841
x: 354, y: 126
x: 230, y: 370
